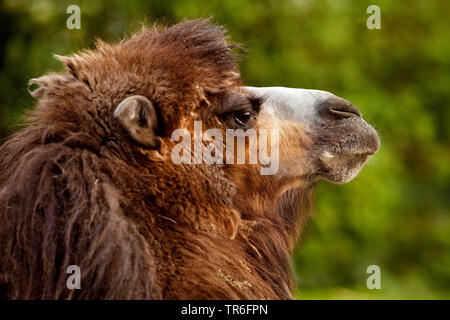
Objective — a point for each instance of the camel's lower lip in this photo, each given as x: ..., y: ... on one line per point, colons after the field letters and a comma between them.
x: 366, y: 153
x: 368, y: 148
x: 357, y: 152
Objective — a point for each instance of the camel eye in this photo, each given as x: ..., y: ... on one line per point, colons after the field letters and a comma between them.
x: 242, y: 118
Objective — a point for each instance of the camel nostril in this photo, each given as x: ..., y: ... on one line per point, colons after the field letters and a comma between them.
x: 338, y: 107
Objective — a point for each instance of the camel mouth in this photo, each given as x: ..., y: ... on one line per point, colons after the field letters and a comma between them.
x: 328, y: 156
x: 352, y: 137
x: 341, y: 159
x: 342, y: 168
x: 356, y: 152
x: 364, y: 151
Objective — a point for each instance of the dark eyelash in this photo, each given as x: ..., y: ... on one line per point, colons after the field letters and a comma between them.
x: 252, y: 104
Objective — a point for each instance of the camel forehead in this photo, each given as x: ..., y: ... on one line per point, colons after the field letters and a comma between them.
x: 285, y: 95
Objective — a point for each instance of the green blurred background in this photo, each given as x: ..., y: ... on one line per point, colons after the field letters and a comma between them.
x: 395, y: 214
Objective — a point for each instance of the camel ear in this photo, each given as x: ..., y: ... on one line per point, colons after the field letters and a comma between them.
x: 137, y: 115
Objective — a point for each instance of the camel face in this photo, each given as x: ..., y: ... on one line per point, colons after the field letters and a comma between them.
x: 134, y: 167
x: 335, y: 140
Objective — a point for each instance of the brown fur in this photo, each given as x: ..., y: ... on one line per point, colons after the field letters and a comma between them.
x: 75, y: 189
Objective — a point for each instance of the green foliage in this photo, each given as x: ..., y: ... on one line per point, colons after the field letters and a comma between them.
x: 396, y: 213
